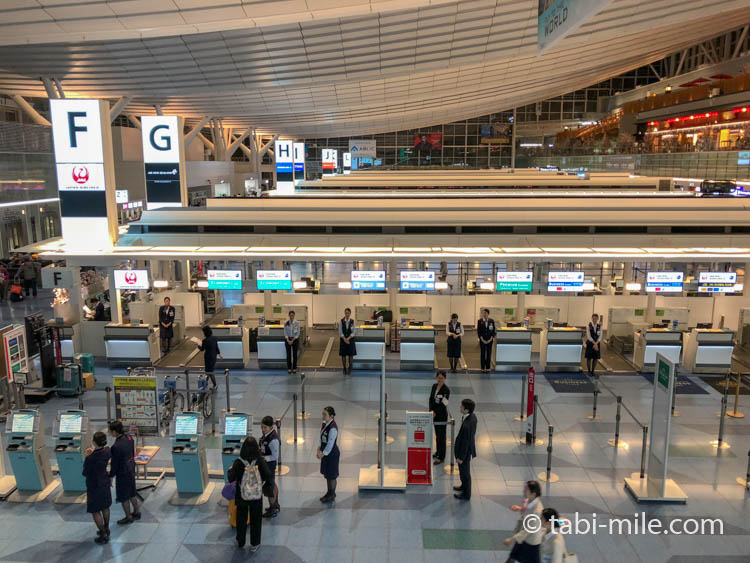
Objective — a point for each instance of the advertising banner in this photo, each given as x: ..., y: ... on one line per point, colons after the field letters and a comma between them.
x: 362, y: 147
x: 531, y: 382
x: 164, y: 161
x: 558, y: 18
x: 428, y: 141
x: 418, y: 448
x: 136, y: 403
x: 515, y: 281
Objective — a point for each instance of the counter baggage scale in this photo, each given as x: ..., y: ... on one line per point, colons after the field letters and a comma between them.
x: 189, y: 460
x: 370, y: 339
x: 73, y: 435
x: 235, y: 427
x: 234, y: 343
x: 513, y: 348
x: 708, y: 350
x: 647, y: 342
x: 417, y: 347
x: 28, y: 456
x: 561, y: 348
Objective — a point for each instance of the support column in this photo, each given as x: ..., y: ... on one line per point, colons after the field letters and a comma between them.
x: 114, y: 304
x: 520, y: 306
x: 267, y: 295
x: 392, y: 286
x: 513, y: 143
x: 651, y: 308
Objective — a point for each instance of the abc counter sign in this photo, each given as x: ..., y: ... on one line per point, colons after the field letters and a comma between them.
x: 81, y: 177
x: 131, y: 279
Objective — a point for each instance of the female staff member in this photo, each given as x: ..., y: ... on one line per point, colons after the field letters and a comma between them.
x: 98, y: 495
x: 439, y: 396
x: 210, y: 349
x: 166, y: 322
x: 291, y: 342
x: 593, y: 341
x: 328, y: 453
x: 526, y: 543
x: 122, y: 469
x: 249, y: 460
x: 455, y: 331
x: 347, y: 345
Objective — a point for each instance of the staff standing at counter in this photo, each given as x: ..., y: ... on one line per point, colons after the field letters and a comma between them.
x: 347, y: 345
x: 291, y: 342
x: 486, y: 332
x: 593, y: 342
x: 438, y: 406
x: 455, y: 331
x: 328, y: 453
x: 166, y: 322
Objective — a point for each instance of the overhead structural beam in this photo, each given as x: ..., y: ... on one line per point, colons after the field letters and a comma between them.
x: 190, y: 136
x: 656, y: 72
x: 135, y: 121
x: 60, y: 90
x: 49, y: 87
x: 683, y: 56
x: 30, y: 111
x: 740, y: 42
x: 238, y: 141
x: 265, y: 148
x: 205, y: 141
x: 120, y: 105
x: 158, y: 109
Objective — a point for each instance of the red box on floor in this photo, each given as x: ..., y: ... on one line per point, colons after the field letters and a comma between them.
x: 419, y: 466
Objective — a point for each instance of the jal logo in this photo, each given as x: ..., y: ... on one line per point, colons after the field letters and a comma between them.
x: 131, y: 278
x: 80, y: 174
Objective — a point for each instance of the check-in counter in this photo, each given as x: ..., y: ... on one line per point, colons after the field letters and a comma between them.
x: 271, y: 349
x: 708, y: 350
x: 131, y: 345
x: 234, y: 343
x: 513, y: 348
x: 70, y: 339
x: 646, y: 343
x: 561, y: 348
x: 417, y: 347
x: 370, y: 340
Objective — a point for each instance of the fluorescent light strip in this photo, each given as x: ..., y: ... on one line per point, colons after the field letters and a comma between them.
x: 30, y: 202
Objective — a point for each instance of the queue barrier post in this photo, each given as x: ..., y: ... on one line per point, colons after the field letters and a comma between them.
x: 80, y: 398
x: 278, y: 432
x: 304, y: 379
x: 213, y: 411
x: 616, y: 441
x: 596, y: 400
x: 108, y: 391
x: 720, y: 440
x: 294, y: 400
x: 226, y: 376
x: 747, y: 475
x: 522, y: 416
x: 643, y: 452
x: 380, y: 443
x: 187, y: 391
x: 533, y: 432
x: 453, y: 441
x: 548, y: 476
x: 734, y: 413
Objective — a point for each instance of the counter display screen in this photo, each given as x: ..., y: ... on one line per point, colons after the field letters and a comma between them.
x: 664, y: 282
x: 23, y: 422
x: 70, y: 423
x: 224, y: 279
x: 417, y: 281
x: 186, y: 424
x: 373, y: 280
x: 716, y: 282
x: 274, y: 279
x: 235, y: 425
x: 565, y: 282
x: 131, y: 279
x: 515, y: 281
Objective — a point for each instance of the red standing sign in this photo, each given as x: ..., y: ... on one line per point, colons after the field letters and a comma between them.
x: 530, y: 407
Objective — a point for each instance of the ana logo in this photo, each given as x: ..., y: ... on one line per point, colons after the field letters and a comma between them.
x: 131, y: 278
x: 80, y: 174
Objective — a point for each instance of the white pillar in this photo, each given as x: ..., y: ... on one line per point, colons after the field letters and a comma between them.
x: 651, y: 308
x: 392, y: 286
x: 520, y: 305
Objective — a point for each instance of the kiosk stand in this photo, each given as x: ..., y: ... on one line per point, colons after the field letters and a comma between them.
x: 72, y: 436
x: 189, y: 459
x: 235, y: 427
x: 7, y: 482
x: 28, y: 456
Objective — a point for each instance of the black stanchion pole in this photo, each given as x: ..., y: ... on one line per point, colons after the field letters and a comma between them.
x: 453, y: 441
x: 722, y: 416
x: 523, y: 397
x: 643, y: 452
x: 380, y: 444
x: 304, y: 378
x: 108, y: 390
x: 188, y: 402
x: 549, y: 451
x: 617, y: 421
x: 533, y: 432
x: 747, y: 475
x: 278, y: 431
x: 226, y: 376
x: 294, y: 400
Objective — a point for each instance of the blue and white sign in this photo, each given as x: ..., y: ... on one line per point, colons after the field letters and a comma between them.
x: 664, y: 282
x: 273, y: 279
x: 743, y: 158
x: 224, y: 279
x: 565, y: 282
x: 412, y: 280
x: 368, y: 280
x: 299, y: 157
x: 283, y: 152
x: 362, y: 147
x: 558, y: 18
x: 716, y: 282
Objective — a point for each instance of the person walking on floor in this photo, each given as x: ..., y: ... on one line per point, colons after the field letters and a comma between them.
x: 593, y: 344
x: 210, y: 349
x: 465, y: 448
x: 347, y: 344
x: 166, y: 325
x: 486, y: 332
x: 27, y: 274
x: 291, y: 342
x: 526, y: 543
x: 553, y: 548
x: 98, y: 494
x: 328, y: 453
x: 122, y: 470
x: 270, y: 446
x: 249, y: 472
x: 438, y: 406
x: 454, y: 331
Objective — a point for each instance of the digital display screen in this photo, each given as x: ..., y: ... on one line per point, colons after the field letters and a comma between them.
x: 274, y: 279
x: 71, y: 422
x: 664, y: 282
x: 23, y: 422
x: 186, y: 424
x: 417, y: 281
x: 224, y: 279
x: 235, y: 425
x: 368, y: 280
x: 515, y: 281
x: 565, y: 282
x: 716, y: 282
x: 131, y: 279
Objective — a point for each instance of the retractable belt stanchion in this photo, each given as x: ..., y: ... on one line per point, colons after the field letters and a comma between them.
x: 533, y: 432
x: 643, y: 452
x: 719, y: 443
x: 546, y: 476
x: 746, y: 481
x: 187, y: 391
x: 108, y: 391
x: 522, y: 416
x: 226, y: 376
x: 734, y: 413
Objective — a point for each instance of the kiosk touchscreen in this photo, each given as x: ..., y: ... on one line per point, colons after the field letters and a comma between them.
x: 72, y: 437
x: 189, y: 454
x: 235, y: 427
x: 26, y: 452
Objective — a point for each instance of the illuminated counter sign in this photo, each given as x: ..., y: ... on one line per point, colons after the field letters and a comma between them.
x: 717, y: 282
x: 131, y: 279
x: 515, y: 281
x: 417, y: 280
x: 330, y: 159
x: 224, y: 279
x: 565, y: 282
x: 372, y: 280
x: 274, y: 279
x: 664, y: 282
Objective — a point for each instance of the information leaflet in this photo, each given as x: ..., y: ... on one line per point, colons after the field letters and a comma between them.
x: 418, y: 448
x: 136, y: 402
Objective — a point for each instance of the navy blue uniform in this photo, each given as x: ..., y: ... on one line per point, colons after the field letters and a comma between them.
x: 329, y: 464
x: 210, y: 349
x: 123, y: 467
x: 98, y: 494
x: 166, y: 317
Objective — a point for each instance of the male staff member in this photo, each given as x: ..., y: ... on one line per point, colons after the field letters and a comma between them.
x: 98, y: 310
x: 166, y: 322
x: 486, y: 332
x: 465, y: 448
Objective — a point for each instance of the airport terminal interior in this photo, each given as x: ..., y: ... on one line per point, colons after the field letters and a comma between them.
x: 415, y: 281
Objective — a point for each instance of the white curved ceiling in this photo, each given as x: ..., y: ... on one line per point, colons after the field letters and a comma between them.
x: 311, y: 68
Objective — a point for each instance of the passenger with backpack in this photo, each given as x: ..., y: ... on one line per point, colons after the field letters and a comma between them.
x: 249, y: 473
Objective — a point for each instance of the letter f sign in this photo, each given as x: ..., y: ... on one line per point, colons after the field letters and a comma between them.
x: 74, y: 129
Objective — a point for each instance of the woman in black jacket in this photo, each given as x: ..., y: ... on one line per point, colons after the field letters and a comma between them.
x: 439, y: 396
x: 250, y: 453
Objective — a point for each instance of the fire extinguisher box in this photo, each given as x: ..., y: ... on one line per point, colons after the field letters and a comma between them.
x: 418, y: 448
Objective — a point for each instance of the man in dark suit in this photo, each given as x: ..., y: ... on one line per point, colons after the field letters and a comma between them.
x: 486, y: 332
x: 465, y: 448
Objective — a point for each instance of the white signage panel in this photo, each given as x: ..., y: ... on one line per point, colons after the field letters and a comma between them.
x: 299, y: 157
x: 284, y: 155
x: 77, y: 130
x: 87, y: 177
x: 122, y: 196
x: 131, y: 279
x: 162, y: 135
x: 347, y: 160
x: 661, y: 419
x: 362, y: 147
x: 330, y: 158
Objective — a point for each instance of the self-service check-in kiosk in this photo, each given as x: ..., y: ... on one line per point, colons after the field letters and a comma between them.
x: 708, y: 350
x: 561, y: 348
x: 72, y: 436
x: 235, y: 427
x: 28, y: 456
x: 189, y: 460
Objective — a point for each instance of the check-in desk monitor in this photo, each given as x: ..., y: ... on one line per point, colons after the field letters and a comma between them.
x: 708, y: 350
x: 72, y: 437
x: 561, y: 348
x: 417, y: 347
x: 189, y: 453
x: 647, y: 343
x: 369, y: 339
x: 235, y: 427
x: 513, y: 347
x: 26, y: 450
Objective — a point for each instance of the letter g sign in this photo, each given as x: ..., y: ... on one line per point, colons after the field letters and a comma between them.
x: 164, y: 142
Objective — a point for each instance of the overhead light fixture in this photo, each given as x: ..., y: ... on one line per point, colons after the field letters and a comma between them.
x: 414, y: 250
x: 633, y: 286
x: 619, y: 250
x: 222, y: 249
x: 163, y: 284
x: 562, y: 249
x: 518, y: 250
x: 365, y: 249
x: 441, y: 285
x: 271, y: 249
x: 320, y: 249
x: 202, y: 284
x: 345, y: 285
